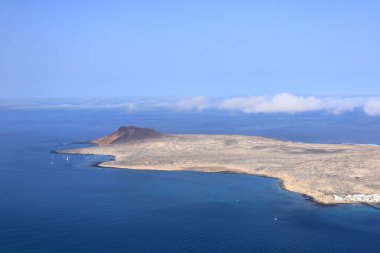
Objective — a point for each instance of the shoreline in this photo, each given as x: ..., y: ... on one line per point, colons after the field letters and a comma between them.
x: 327, y: 174
x: 280, y: 181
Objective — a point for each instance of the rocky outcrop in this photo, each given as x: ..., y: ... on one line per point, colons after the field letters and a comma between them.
x: 126, y: 134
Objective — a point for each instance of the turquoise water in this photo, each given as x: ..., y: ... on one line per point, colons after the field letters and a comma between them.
x: 49, y: 204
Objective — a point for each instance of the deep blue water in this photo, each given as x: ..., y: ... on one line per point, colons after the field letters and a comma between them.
x: 71, y: 206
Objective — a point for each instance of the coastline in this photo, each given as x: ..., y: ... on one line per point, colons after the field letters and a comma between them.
x: 281, y: 181
x: 327, y: 174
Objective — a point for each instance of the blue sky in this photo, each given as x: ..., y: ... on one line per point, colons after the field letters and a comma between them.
x: 189, y: 48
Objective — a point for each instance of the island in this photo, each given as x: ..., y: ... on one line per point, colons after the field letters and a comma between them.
x: 327, y: 173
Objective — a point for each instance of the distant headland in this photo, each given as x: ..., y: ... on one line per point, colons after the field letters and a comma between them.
x: 328, y: 173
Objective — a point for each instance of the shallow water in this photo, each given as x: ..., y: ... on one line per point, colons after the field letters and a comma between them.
x: 50, y: 204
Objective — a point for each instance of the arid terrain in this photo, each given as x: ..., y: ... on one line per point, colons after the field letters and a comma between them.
x: 328, y: 173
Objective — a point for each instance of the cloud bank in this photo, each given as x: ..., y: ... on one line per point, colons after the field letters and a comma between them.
x: 128, y: 106
x: 280, y: 103
x: 372, y: 108
x: 196, y: 103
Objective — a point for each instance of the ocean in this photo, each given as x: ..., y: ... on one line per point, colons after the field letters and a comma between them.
x: 57, y: 203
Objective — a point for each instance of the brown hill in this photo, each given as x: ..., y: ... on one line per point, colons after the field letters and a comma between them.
x: 127, y: 134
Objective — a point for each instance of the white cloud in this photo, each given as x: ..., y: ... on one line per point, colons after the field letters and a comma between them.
x: 372, y: 108
x: 280, y: 103
x: 129, y: 107
x: 283, y: 103
x: 289, y: 103
x: 196, y: 103
x: 337, y: 106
